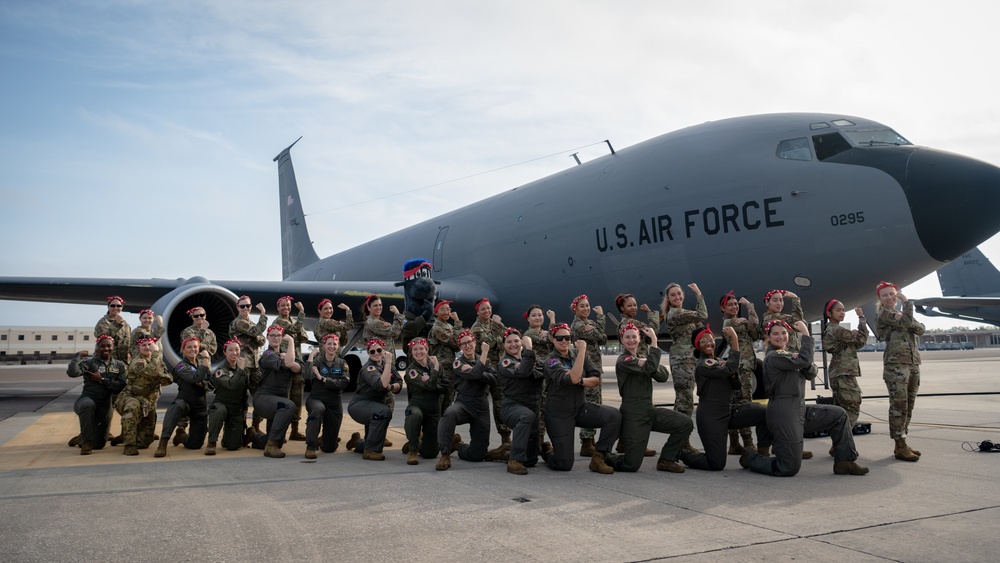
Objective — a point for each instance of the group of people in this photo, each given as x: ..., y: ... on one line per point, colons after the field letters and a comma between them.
x: 541, y: 383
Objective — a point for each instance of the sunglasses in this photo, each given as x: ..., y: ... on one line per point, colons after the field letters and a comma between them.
x: 375, y: 351
x: 563, y: 338
x: 112, y: 306
x: 247, y: 306
x: 201, y: 316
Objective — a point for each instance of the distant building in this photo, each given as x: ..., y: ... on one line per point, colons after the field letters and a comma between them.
x: 34, y: 343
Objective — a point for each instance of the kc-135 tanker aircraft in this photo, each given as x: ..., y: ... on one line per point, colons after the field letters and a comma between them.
x: 825, y: 205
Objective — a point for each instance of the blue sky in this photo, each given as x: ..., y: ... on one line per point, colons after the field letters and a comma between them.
x: 137, y: 137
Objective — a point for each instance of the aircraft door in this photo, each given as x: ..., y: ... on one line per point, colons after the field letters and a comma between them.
x: 438, y: 257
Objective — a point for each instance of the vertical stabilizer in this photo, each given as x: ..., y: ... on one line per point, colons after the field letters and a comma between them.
x: 296, y: 247
x: 971, y: 274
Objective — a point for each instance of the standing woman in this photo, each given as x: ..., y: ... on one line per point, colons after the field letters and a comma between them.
x: 636, y: 372
x: 115, y: 326
x: 297, y: 331
x: 377, y: 379
x: 376, y: 328
x: 150, y: 326
x: 444, y: 346
x: 901, y: 363
x: 522, y: 390
x: 271, y: 402
x: 747, y: 332
x: 541, y: 343
x: 774, y: 302
x: 424, y: 387
x: 595, y: 335
x: 842, y: 345
x: 251, y: 338
x: 627, y: 306
x: 716, y: 414
x: 325, y: 407
x: 788, y: 417
x: 326, y: 325
x: 681, y: 323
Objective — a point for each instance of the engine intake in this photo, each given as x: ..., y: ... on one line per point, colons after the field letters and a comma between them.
x: 220, y: 310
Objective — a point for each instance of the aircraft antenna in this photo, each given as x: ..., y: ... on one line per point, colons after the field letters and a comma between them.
x: 609, y: 146
x: 576, y: 158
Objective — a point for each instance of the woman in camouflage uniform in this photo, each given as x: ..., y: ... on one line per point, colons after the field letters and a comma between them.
x: 842, y: 345
x: 747, y: 332
x: 681, y: 323
x: 594, y: 333
x: 541, y: 343
x: 901, y: 363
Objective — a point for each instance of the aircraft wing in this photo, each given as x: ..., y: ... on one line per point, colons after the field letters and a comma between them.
x: 145, y: 293
x: 980, y: 309
x: 957, y: 302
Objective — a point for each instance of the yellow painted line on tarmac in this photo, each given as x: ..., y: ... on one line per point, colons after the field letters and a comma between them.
x: 44, y: 444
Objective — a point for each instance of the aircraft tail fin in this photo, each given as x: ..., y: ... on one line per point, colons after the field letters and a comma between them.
x: 972, y: 274
x: 297, y: 250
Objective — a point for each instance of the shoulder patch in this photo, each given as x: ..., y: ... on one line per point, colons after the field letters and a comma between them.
x: 506, y: 362
x: 458, y: 364
x: 371, y: 368
x: 324, y: 370
x: 553, y: 362
x: 412, y: 374
x: 218, y: 373
x: 710, y: 362
x: 628, y: 358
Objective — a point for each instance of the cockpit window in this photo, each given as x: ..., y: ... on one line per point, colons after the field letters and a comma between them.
x: 875, y: 137
x: 830, y: 144
x: 819, y: 125
x: 843, y: 122
x: 794, y: 149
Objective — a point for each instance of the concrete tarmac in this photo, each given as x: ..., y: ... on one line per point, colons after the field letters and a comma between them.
x: 238, y: 506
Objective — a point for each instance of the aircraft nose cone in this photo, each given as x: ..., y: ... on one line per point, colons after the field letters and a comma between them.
x: 954, y: 200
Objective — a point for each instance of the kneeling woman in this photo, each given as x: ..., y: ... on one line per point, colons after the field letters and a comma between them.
x: 522, y: 393
x: 424, y: 388
x: 785, y: 375
x: 192, y: 377
x: 716, y: 415
x: 635, y: 375
x: 271, y: 402
x: 473, y: 379
x: 376, y: 380
x: 325, y: 407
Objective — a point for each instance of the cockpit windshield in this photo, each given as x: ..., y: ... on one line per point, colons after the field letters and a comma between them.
x: 875, y: 137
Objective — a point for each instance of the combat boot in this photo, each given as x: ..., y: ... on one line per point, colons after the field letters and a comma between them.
x: 296, y: 435
x: 689, y: 448
x: 161, y: 450
x: 498, y: 454
x: 179, y: 436
x: 505, y: 438
x: 444, y: 462
x: 248, y: 437
x: 456, y: 439
x: 75, y: 441
x: 210, y: 448
x: 372, y: 455
x: 310, y: 454
x: 912, y: 451
x: 848, y: 468
x: 256, y: 426
x: 412, y: 458
x: 806, y: 454
x: 546, y: 450
x: 649, y: 452
x: 131, y: 450
x: 748, y: 442
x: 406, y: 447
x: 117, y: 440
x: 599, y: 465
x: 745, y: 457
x: 353, y: 442
x: 516, y: 467
x: 587, y: 447
x: 670, y: 466
x: 86, y: 448
x: 273, y: 449
x: 903, y: 453
x: 386, y: 443
x: 734, y: 443
x: 763, y: 450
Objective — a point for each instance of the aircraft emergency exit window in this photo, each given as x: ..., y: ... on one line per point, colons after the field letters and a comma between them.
x: 843, y: 122
x: 876, y: 137
x: 819, y: 125
x: 794, y: 149
x: 829, y: 145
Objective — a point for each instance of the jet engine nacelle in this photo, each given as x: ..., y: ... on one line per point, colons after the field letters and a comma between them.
x: 220, y: 310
